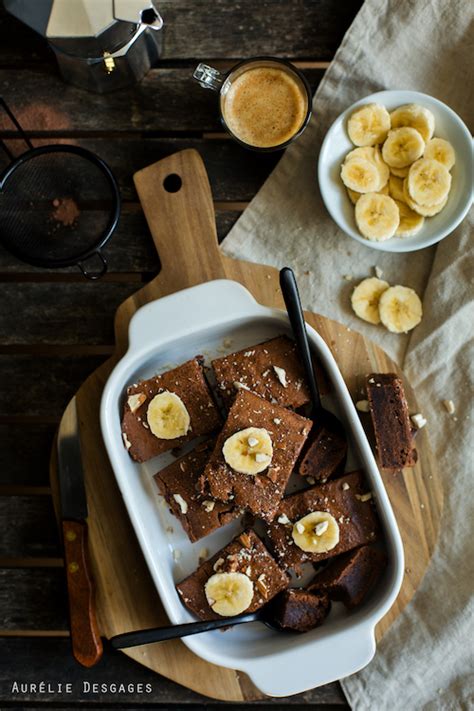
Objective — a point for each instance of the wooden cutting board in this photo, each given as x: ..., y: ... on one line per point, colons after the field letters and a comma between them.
x: 177, y: 201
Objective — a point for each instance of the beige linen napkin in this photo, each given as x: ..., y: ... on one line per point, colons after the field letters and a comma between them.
x: 425, y: 660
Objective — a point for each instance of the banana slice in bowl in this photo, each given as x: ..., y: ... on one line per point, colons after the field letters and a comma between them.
x: 425, y: 152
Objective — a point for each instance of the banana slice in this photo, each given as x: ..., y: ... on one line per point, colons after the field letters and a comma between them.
x: 373, y: 155
x: 365, y: 298
x: 402, y: 147
x: 368, y: 125
x: 395, y: 188
x: 377, y: 216
x: 400, y: 172
x: 411, y: 222
x: 421, y: 209
x: 353, y: 196
x: 360, y: 175
x: 229, y: 594
x: 442, y: 151
x: 248, y: 451
x: 428, y: 182
x: 167, y: 416
x: 400, y: 309
x: 414, y: 116
x: 317, y: 532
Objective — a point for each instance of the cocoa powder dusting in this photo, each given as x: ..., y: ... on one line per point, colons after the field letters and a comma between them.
x: 65, y: 211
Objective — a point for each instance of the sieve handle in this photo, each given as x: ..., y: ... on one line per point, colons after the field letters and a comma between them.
x: 94, y: 275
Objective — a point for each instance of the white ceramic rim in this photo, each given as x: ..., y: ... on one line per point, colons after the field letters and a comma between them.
x: 347, y: 647
x: 400, y: 245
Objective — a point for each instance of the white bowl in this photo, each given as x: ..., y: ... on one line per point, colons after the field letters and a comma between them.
x: 171, y: 330
x: 448, y: 125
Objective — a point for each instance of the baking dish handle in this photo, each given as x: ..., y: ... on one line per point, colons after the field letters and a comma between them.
x: 173, y: 316
x: 301, y: 668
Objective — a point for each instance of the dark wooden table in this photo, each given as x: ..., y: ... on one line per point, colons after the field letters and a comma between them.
x: 56, y: 327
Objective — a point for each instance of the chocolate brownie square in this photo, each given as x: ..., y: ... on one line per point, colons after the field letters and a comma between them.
x: 391, y: 421
x: 178, y: 482
x: 349, y: 503
x: 191, y: 396
x: 325, y: 456
x: 299, y: 610
x: 271, y: 369
x: 351, y: 576
x: 269, y: 439
x: 245, y: 555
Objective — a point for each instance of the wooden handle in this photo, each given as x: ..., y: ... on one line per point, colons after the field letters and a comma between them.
x: 86, y: 641
x: 177, y: 201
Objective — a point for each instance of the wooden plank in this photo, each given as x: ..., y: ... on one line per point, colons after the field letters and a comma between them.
x: 32, y: 599
x: 167, y: 100
x: 201, y: 30
x: 79, y: 313
x: 53, y: 662
x: 130, y: 249
x: 235, y: 173
x: 22, y: 465
x: 41, y: 387
x: 28, y: 527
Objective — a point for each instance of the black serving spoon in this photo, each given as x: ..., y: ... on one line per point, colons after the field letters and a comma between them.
x: 323, y: 418
x: 160, y: 634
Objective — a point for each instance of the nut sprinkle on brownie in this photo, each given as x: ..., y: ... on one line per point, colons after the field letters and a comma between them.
x: 242, y: 577
x: 165, y: 411
x: 178, y: 482
x: 255, y: 454
x: 271, y: 369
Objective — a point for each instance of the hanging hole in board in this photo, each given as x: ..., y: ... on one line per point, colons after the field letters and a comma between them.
x: 172, y: 183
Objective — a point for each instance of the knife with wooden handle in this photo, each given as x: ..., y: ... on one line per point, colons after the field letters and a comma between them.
x: 86, y: 642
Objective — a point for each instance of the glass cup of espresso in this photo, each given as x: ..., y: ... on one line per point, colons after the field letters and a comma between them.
x: 264, y: 103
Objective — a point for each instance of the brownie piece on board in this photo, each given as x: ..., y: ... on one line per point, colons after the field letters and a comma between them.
x: 271, y: 369
x: 246, y: 555
x: 351, y: 576
x: 188, y: 383
x: 178, y: 483
x: 259, y: 493
x: 349, y: 502
x: 299, y: 610
x: 391, y: 421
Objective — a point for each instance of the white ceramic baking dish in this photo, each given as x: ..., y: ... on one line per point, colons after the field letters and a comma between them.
x: 167, y: 332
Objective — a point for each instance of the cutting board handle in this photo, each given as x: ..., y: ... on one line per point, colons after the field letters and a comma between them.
x: 177, y: 201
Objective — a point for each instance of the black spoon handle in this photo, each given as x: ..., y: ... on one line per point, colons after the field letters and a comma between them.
x: 292, y: 300
x: 160, y: 634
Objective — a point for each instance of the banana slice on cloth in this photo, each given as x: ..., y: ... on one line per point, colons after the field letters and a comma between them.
x: 428, y: 182
x: 229, y: 594
x: 442, y: 151
x: 421, y: 209
x: 317, y: 532
x: 400, y: 309
x: 368, y: 125
x: 395, y: 188
x: 402, y: 147
x: 377, y: 216
x: 248, y: 451
x: 414, y: 116
x: 365, y: 298
x: 411, y: 222
x: 167, y: 416
x: 361, y: 175
x: 354, y: 196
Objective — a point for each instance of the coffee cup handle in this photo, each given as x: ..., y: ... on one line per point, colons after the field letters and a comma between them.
x: 208, y: 77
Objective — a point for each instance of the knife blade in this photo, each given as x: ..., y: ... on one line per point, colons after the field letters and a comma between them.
x: 86, y: 642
